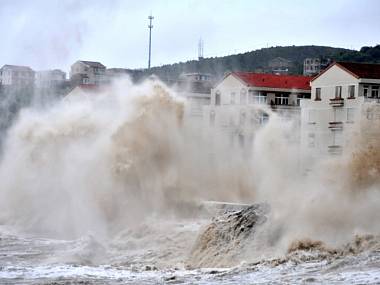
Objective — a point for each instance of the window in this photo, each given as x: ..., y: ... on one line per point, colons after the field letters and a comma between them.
x: 243, y: 96
x: 259, y: 98
x: 233, y: 97
x: 365, y: 91
x: 337, y: 138
x: 369, y: 114
x: 375, y: 92
x: 263, y: 118
x: 351, y: 91
x: 281, y: 99
x: 318, y: 94
x: 338, y: 92
x: 217, y: 98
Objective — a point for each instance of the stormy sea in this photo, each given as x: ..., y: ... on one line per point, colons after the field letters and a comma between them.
x: 121, y: 187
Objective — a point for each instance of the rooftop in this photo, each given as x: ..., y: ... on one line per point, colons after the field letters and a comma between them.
x: 358, y: 70
x: 93, y: 63
x: 362, y: 70
x: 274, y: 81
x: 17, y: 67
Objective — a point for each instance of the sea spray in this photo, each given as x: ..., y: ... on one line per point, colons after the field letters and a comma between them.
x: 102, y: 160
x: 106, y: 162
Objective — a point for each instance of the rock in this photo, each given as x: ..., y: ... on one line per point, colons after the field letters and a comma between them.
x: 225, y: 237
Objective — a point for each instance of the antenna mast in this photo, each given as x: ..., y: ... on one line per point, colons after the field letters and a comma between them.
x: 200, y: 49
x: 150, y: 38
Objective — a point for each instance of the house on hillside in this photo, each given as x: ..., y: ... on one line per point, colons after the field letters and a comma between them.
x: 241, y: 102
x: 279, y: 65
x: 344, y: 98
x: 312, y: 66
x: 88, y: 72
x: 16, y: 76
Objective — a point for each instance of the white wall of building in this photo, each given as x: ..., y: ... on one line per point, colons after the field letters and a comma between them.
x: 49, y: 78
x: 229, y: 90
x: 328, y: 125
x: 242, y: 110
x: 94, y: 75
x: 17, y: 76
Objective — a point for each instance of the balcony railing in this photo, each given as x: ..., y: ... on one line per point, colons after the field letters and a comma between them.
x: 336, y: 126
x: 335, y: 149
x: 337, y: 102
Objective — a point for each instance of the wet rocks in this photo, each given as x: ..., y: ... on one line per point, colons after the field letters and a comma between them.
x: 222, y: 241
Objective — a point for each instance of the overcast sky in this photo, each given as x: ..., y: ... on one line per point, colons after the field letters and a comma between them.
x: 55, y: 33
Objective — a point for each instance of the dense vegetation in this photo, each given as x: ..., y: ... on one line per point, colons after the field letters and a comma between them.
x: 260, y: 59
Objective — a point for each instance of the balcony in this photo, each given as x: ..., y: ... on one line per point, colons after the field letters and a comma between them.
x: 337, y: 102
x: 335, y: 149
x: 336, y: 126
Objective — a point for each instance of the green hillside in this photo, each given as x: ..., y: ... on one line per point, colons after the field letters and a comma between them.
x: 259, y: 60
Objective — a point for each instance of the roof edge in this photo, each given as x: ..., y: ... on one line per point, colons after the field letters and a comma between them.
x: 330, y: 66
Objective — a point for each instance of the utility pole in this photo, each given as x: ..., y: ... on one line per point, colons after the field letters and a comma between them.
x: 150, y: 37
x: 200, y: 49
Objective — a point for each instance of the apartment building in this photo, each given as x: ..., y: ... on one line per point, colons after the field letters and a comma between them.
x: 313, y: 66
x: 88, y: 72
x: 17, y: 76
x: 343, y: 96
x: 241, y: 102
x: 50, y: 78
x: 196, y: 89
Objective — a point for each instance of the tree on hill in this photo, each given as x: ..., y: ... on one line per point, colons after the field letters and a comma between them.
x: 259, y: 59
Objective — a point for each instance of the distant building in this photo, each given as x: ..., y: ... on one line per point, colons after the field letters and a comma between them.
x: 196, y: 88
x: 312, y: 66
x: 343, y: 96
x: 17, y: 76
x: 239, y: 102
x: 279, y: 66
x: 88, y: 72
x: 50, y: 78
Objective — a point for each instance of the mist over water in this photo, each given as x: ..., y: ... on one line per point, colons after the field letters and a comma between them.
x: 96, y: 161
x: 106, y: 163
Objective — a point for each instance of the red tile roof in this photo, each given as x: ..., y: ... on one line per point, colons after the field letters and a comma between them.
x: 274, y: 81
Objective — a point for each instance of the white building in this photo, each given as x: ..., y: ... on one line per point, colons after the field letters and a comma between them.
x: 196, y: 89
x: 16, y: 76
x: 88, y: 72
x: 312, y: 66
x: 341, y: 96
x: 280, y: 65
x: 240, y: 102
x: 50, y: 78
